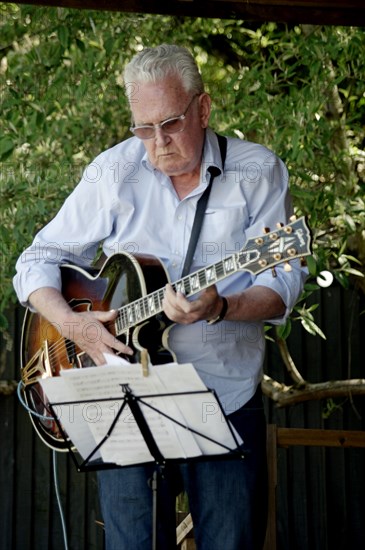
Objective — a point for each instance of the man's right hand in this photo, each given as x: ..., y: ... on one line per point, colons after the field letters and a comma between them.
x: 86, y: 328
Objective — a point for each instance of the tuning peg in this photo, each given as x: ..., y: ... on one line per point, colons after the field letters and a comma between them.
x: 273, y: 272
x: 266, y: 230
x: 293, y: 218
x: 287, y: 267
x: 303, y: 262
x: 279, y: 225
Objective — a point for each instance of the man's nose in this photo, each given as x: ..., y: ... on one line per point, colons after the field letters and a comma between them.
x: 161, y: 137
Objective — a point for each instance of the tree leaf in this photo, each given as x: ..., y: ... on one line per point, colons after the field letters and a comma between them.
x: 6, y: 147
x: 63, y: 35
x: 311, y: 327
x: 284, y: 330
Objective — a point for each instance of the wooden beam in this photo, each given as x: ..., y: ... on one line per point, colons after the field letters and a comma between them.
x: 315, y: 12
x: 287, y: 437
x: 272, y: 472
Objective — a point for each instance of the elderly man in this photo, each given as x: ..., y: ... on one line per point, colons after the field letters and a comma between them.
x: 142, y: 195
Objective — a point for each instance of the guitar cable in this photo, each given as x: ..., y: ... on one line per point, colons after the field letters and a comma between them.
x: 58, y: 498
x: 54, y: 464
x: 20, y: 387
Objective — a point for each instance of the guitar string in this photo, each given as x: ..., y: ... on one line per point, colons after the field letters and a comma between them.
x: 192, y: 281
x: 62, y: 341
x: 142, y: 302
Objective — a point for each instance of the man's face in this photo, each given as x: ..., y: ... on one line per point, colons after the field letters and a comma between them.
x: 173, y: 154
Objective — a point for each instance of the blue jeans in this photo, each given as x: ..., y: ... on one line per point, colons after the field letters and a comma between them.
x: 227, y: 498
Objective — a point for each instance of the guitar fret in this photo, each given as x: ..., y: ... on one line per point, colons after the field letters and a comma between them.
x: 210, y: 273
x: 180, y: 286
x: 159, y: 297
x: 138, y: 310
x: 119, y: 324
x: 129, y: 315
x: 122, y: 321
x: 187, y: 290
x: 220, y: 270
x: 229, y: 265
x: 202, y: 278
x: 194, y: 282
x: 151, y: 304
x: 144, y: 308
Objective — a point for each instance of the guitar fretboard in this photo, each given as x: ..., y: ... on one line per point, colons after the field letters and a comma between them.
x: 151, y: 304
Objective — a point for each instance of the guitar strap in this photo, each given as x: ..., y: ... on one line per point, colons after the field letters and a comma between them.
x: 201, y: 206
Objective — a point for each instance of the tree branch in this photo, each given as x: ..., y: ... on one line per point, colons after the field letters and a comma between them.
x: 289, y: 363
x: 288, y: 395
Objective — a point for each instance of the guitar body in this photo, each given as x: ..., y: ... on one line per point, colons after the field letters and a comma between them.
x: 44, y: 351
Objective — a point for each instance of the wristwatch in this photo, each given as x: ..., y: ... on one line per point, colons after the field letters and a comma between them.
x: 222, y: 313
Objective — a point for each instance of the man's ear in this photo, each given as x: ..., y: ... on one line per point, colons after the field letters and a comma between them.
x: 205, y: 103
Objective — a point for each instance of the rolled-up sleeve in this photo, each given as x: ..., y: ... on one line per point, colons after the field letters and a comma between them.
x: 289, y: 286
x: 269, y: 203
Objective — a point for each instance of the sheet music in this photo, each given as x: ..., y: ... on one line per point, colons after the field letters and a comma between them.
x: 98, y: 392
x: 72, y: 416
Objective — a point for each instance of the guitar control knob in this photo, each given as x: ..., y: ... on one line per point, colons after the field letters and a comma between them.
x: 259, y: 241
x: 288, y: 229
x: 277, y: 256
x: 263, y: 263
x: 274, y: 236
x: 291, y: 251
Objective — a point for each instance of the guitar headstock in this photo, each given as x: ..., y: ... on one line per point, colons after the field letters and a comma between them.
x: 276, y: 247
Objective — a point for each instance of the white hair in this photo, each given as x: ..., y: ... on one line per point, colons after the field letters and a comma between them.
x: 156, y: 64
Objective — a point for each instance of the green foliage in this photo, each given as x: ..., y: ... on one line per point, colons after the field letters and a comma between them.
x: 299, y: 90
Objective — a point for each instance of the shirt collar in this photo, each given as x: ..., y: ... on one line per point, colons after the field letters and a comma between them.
x: 211, y: 156
x: 211, y: 153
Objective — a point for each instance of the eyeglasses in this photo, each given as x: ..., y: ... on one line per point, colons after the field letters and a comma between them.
x: 169, y: 126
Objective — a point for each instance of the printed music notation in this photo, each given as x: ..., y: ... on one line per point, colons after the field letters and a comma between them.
x: 88, y: 404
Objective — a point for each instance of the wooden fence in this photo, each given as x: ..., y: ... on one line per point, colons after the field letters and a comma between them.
x: 320, y: 493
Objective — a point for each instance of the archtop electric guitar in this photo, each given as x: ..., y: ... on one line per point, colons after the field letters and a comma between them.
x: 134, y: 286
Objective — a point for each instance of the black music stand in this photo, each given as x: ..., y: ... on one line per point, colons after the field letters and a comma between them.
x: 134, y: 402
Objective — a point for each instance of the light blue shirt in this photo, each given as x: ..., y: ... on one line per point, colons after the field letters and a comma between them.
x: 124, y: 202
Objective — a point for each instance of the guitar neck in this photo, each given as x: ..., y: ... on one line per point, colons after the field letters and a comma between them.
x: 150, y: 305
x: 260, y: 253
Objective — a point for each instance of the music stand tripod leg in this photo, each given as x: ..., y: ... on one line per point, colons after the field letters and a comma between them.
x: 133, y: 402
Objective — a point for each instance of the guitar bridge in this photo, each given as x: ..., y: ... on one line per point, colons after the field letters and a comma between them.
x: 38, y: 367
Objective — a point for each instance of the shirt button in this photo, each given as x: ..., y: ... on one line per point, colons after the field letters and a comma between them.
x: 179, y: 217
